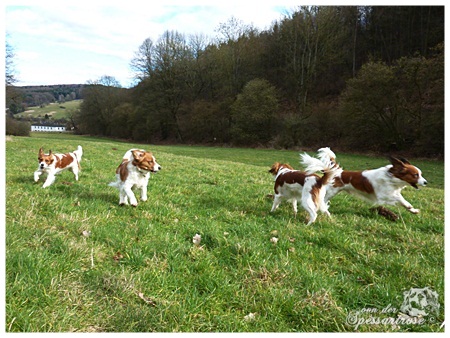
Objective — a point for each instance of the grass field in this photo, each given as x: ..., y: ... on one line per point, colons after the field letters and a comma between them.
x: 77, y: 262
x: 53, y: 110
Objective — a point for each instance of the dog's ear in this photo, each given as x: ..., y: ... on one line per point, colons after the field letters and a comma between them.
x: 137, y: 154
x: 274, y: 168
x: 404, y: 160
x: 288, y: 166
x: 396, y: 162
x: 50, y: 153
x: 41, y: 152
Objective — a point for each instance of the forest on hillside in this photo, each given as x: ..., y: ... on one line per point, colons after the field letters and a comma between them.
x: 358, y: 78
x: 40, y: 96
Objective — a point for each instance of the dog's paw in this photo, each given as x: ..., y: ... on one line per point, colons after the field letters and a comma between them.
x: 414, y: 211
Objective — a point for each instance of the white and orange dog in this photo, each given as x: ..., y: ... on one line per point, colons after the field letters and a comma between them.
x: 52, y: 164
x: 382, y: 186
x: 134, y: 172
x: 305, y: 186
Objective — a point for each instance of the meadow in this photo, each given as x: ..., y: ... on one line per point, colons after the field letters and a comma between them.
x: 54, y: 110
x: 78, y: 262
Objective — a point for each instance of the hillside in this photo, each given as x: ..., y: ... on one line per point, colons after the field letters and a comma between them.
x: 53, y: 111
x: 39, y: 95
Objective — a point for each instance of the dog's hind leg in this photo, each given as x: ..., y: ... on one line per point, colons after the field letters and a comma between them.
x: 323, y: 207
x: 386, y: 213
x: 276, y: 202
x: 310, y: 207
x: 312, y: 216
x: 294, y: 205
x: 75, y: 170
x: 123, y: 199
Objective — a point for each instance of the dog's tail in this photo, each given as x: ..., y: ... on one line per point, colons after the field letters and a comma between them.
x: 325, y: 164
x: 326, y: 155
x: 114, y: 185
x: 78, y: 153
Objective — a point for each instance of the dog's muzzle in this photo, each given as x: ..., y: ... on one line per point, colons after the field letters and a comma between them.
x: 156, y: 169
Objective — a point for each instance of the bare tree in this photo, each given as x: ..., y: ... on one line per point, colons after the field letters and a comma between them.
x: 233, y: 39
x: 107, y: 81
x: 198, y: 43
x: 232, y: 30
x: 9, y: 65
x: 13, y: 97
x: 101, y: 97
x: 142, y: 63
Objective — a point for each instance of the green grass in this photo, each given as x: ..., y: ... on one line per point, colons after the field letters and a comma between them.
x: 54, y: 110
x: 139, y: 271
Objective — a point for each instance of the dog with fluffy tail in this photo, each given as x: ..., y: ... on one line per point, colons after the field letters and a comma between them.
x: 306, y: 186
x: 318, y: 184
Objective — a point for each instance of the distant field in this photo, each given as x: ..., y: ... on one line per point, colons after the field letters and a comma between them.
x: 54, y: 110
x: 77, y: 262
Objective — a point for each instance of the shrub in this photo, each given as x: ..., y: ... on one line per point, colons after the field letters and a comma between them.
x: 204, y: 121
x: 370, y: 109
x: 253, y: 113
x: 17, y: 128
x: 389, y: 108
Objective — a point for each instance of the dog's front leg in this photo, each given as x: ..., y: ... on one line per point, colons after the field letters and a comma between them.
x: 144, y: 192
x: 401, y: 200
x: 49, y: 181
x: 37, y: 173
x: 413, y: 210
x: 130, y: 195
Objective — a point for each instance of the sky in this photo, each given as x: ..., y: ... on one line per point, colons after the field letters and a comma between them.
x: 73, y: 42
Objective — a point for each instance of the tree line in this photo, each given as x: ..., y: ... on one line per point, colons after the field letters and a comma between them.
x: 358, y: 78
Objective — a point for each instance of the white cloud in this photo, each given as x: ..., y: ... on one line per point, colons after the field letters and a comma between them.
x: 47, y: 37
x: 27, y: 56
